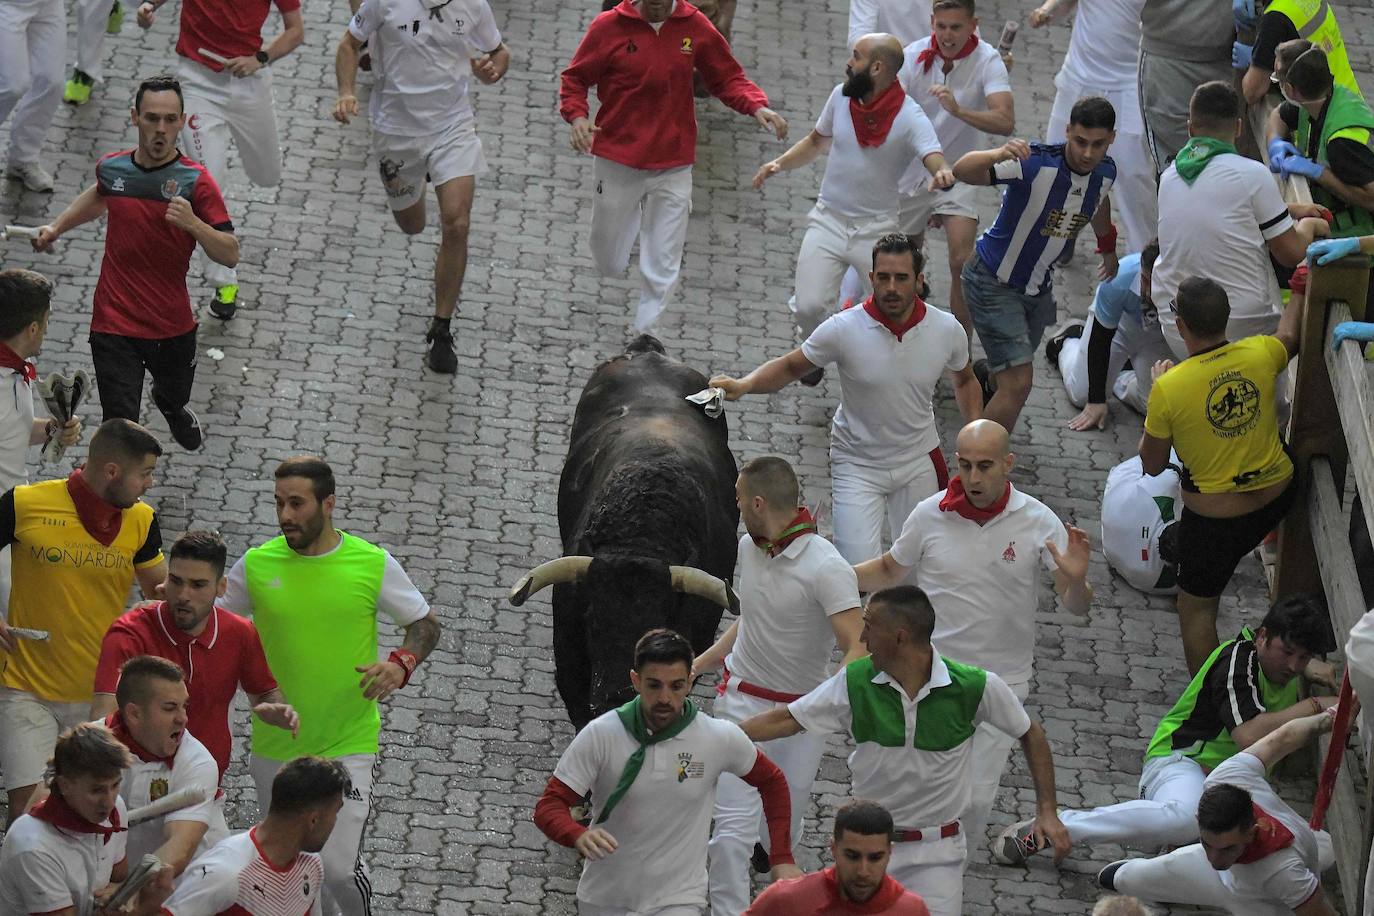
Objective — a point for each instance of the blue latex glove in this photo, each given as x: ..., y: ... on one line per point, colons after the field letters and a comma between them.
x: 1328, y: 250
x: 1362, y: 331
x: 1279, y: 150
x: 1301, y: 165
x: 1244, y: 12
x: 1240, y: 56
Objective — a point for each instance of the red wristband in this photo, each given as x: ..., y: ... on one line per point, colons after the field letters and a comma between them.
x: 1106, y: 244
x: 407, y: 660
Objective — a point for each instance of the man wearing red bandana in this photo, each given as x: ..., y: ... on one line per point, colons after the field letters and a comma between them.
x: 872, y: 132
x: 798, y: 598
x: 79, y: 544
x: 1258, y: 857
x: 977, y: 550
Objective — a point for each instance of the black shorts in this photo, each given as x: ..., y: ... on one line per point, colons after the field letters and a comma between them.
x: 1209, y: 549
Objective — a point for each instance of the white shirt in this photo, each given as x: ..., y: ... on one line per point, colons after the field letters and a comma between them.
x: 1359, y: 664
x: 420, y: 61
x: 44, y: 868
x: 1288, y: 876
x: 1217, y: 227
x: 861, y: 182
x: 972, y: 80
x: 1105, y: 44
x: 786, y: 602
x: 235, y: 876
x: 16, y: 429
x: 983, y: 580
x: 920, y: 788
x: 663, y: 822
x: 908, y: 20
x: 147, y: 781
x: 1136, y: 507
x: 885, y: 417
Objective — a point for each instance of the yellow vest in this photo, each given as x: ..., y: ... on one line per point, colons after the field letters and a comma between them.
x: 68, y: 583
x: 1316, y: 21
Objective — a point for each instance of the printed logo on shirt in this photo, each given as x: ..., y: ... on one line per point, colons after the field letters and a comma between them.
x: 170, y: 188
x: 275, y: 583
x: 686, y: 769
x: 157, y: 789
x: 1233, y: 404
x: 1009, y: 555
x: 631, y: 47
x: 391, y: 177
x: 1076, y: 192
x: 117, y: 184
x: 686, y: 46
x: 305, y: 886
x: 79, y: 557
x: 1055, y: 222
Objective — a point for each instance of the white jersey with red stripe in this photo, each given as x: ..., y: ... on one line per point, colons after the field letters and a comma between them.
x: 236, y: 879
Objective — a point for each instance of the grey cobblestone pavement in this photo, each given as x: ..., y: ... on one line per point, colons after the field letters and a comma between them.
x: 459, y: 478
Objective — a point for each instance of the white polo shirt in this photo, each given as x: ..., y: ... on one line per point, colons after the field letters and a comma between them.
x: 1105, y: 44
x: 1136, y: 507
x: 921, y: 788
x: 663, y: 822
x: 1290, y: 875
x: 148, y: 780
x: 16, y: 429
x: 908, y: 20
x: 420, y: 61
x: 886, y: 417
x: 44, y: 868
x: 983, y: 580
x: 1217, y: 227
x: 861, y: 182
x: 786, y: 602
x: 235, y: 877
x: 972, y: 80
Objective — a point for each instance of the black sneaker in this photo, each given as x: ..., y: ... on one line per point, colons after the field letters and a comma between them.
x: 185, y: 427
x: 225, y: 302
x: 812, y: 378
x: 1072, y: 327
x: 759, y: 861
x: 1106, y: 878
x: 980, y: 371
x: 441, y: 356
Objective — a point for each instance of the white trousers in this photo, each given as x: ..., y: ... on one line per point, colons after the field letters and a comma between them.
x: 649, y: 204
x: 991, y: 748
x: 33, y: 49
x: 832, y: 244
x: 92, y: 16
x: 1164, y: 815
x: 739, y: 809
x: 1135, y: 193
x: 934, y: 869
x: 221, y: 107
x: 1133, y: 342
x: 866, y: 496
x: 347, y: 887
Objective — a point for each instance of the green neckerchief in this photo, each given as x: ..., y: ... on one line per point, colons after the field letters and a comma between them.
x: 1195, y: 155
x: 632, y: 717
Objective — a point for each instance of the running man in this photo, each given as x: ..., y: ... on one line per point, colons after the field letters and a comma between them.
x: 33, y: 48
x: 422, y: 126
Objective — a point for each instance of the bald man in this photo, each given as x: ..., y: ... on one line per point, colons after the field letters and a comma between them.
x: 976, y: 549
x: 872, y: 131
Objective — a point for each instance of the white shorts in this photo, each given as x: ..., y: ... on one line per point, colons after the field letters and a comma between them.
x: 916, y: 209
x: 407, y: 163
x: 30, y: 726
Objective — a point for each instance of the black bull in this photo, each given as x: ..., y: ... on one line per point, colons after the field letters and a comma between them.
x: 649, y: 484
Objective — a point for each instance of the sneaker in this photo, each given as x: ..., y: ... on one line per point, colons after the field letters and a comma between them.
x: 225, y: 302
x: 1016, y: 844
x: 1106, y: 878
x: 185, y: 427
x: 441, y: 356
x: 812, y: 378
x: 33, y: 175
x: 78, y: 89
x: 980, y: 371
x: 759, y: 861
x: 116, y: 20
x: 1072, y: 327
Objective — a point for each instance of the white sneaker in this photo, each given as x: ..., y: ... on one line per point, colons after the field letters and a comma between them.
x: 34, y: 176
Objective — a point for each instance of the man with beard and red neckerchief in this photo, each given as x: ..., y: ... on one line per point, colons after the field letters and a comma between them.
x: 976, y: 549
x: 872, y: 132
x: 65, y: 852
x: 891, y: 352
x: 79, y: 544
x: 798, y: 598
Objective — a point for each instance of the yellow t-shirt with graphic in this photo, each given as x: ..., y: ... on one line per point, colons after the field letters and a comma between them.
x: 1218, y: 408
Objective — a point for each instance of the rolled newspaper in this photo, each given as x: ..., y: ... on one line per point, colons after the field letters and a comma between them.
x: 211, y: 55
x: 26, y: 633
x: 139, y: 875
x: 20, y: 232
x: 62, y: 396
x: 181, y: 798
x: 712, y: 401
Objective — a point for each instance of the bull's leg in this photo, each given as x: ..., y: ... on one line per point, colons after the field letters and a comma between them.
x: 572, y: 667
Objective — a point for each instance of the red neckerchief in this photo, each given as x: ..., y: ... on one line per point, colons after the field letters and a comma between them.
x: 98, y: 517
x: 1269, y: 839
x: 888, y: 893
x: 917, y: 314
x: 11, y: 360
x: 874, y: 120
x: 803, y: 523
x: 956, y: 500
x: 927, y: 57
x: 56, y: 811
x: 115, y: 722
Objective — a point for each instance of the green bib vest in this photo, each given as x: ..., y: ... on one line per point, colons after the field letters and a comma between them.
x: 1316, y: 21
x: 944, y: 718
x: 1347, y: 118
x: 317, y: 617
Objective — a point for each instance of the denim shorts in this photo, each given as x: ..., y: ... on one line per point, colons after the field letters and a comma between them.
x: 1009, y: 322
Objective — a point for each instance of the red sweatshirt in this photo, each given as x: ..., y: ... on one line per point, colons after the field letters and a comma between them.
x: 643, y: 79
x: 818, y: 894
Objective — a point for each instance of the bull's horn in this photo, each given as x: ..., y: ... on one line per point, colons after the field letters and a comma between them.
x: 554, y: 572
x: 692, y: 581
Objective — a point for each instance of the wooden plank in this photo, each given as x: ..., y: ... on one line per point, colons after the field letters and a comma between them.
x: 1354, y: 392
x: 1343, y: 822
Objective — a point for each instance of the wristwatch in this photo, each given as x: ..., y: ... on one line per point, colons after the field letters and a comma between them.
x: 263, y: 58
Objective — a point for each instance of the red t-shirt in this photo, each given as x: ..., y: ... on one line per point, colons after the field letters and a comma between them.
x: 142, y: 287
x: 818, y: 894
x: 226, y: 655
x: 231, y: 29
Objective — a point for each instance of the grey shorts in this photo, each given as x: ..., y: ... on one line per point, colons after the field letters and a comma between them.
x: 1009, y: 321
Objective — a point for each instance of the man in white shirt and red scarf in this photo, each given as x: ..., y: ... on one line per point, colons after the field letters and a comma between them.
x: 976, y: 550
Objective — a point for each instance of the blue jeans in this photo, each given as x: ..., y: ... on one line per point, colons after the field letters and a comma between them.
x: 1009, y: 322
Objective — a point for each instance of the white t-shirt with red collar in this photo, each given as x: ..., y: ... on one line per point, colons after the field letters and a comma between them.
x: 236, y: 879
x: 44, y: 868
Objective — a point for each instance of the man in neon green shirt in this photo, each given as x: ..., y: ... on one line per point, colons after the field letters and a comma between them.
x: 314, y: 593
